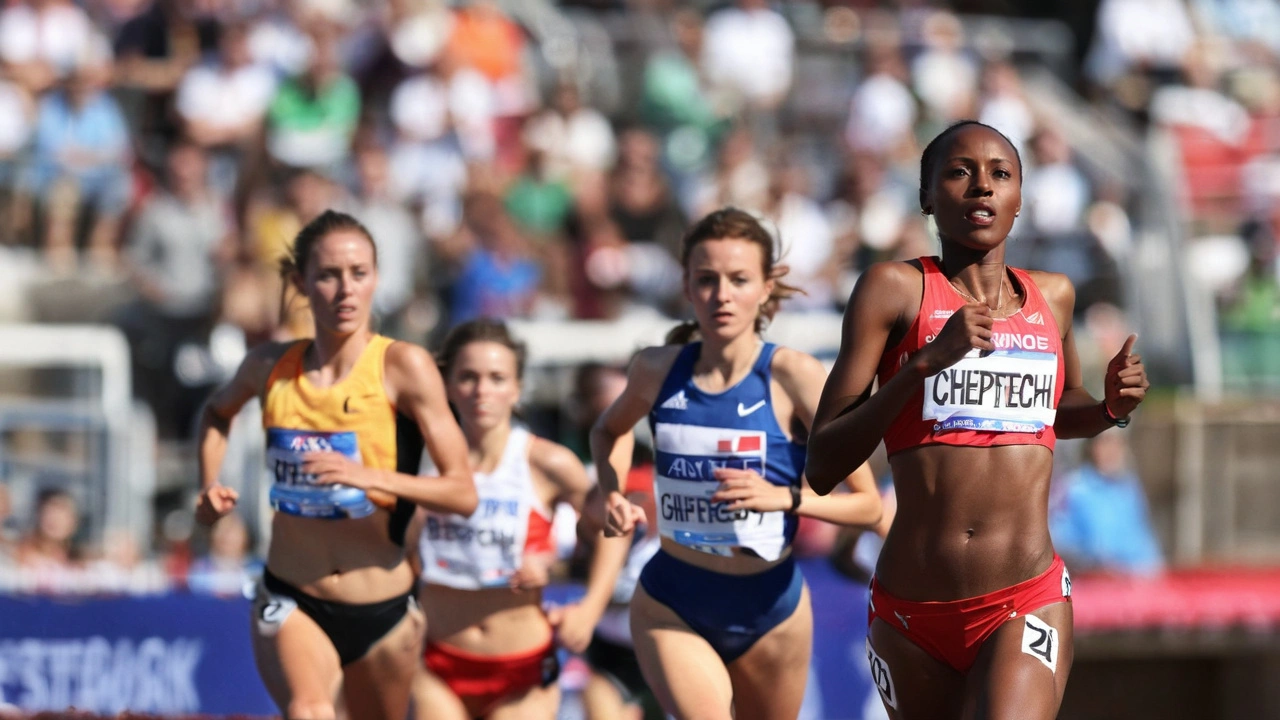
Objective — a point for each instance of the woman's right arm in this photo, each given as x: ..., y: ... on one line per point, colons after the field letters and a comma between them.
x: 216, y: 499
x: 611, y: 439
x: 851, y: 420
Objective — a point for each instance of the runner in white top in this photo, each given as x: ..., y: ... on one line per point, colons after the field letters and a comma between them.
x: 490, y: 650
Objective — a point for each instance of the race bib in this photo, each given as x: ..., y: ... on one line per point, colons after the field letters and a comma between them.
x: 482, y: 551
x: 297, y: 493
x: 1004, y: 391
x: 687, y: 458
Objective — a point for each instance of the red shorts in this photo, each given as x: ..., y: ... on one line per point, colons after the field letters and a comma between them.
x: 483, y: 681
x: 953, y: 632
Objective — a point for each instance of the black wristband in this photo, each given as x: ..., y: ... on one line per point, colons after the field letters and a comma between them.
x: 795, y: 499
x: 1112, y: 419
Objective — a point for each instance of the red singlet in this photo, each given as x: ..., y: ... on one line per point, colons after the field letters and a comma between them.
x: 1007, y: 397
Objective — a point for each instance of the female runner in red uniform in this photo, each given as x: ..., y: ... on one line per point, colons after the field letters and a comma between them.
x: 977, y: 375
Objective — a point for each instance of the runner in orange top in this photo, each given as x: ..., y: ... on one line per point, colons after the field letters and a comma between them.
x: 335, y: 609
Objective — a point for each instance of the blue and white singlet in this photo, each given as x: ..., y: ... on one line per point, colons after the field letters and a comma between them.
x: 695, y: 432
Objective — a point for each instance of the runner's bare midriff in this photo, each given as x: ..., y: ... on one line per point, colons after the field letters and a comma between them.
x: 970, y: 520
x: 495, y: 621
x: 356, y: 563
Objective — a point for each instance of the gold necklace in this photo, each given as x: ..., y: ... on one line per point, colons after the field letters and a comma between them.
x: 1000, y: 302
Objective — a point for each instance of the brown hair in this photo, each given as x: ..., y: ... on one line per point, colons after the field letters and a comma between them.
x: 313, y: 232
x: 482, y: 330
x: 725, y: 223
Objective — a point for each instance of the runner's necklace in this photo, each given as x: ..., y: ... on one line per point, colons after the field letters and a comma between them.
x: 999, y: 296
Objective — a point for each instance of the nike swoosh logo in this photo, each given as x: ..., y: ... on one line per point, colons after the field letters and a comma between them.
x: 745, y: 411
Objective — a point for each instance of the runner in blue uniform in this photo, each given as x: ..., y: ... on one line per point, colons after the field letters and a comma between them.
x: 721, y: 620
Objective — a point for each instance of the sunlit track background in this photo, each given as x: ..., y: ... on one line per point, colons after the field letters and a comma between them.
x: 539, y: 160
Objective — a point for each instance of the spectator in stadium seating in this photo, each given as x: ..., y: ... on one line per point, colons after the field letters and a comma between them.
x: 1101, y: 520
x: 1053, y: 232
x: 417, y: 30
x: 48, y: 557
x: 122, y: 569
x: 485, y: 38
x: 223, y: 104
x: 573, y: 138
x: 1138, y: 43
x: 1253, y: 26
x: 400, y: 244
x: 1250, y: 315
x: 180, y: 246
x: 1057, y: 194
x: 80, y: 159
x: 255, y: 298
x: 539, y: 202
x: 640, y: 201
x: 313, y: 117
x: 496, y: 275
x: 17, y: 119
x: 41, y: 41
x: 277, y: 38
x: 1004, y: 105
x: 882, y: 112
x: 595, y: 387
x: 679, y: 102
x: 944, y: 75
x: 870, y: 217
x: 750, y: 50
x: 450, y: 105
x: 1200, y: 102
x: 740, y: 178
x: 181, y: 240
x: 157, y: 46
x: 227, y: 567
x: 617, y: 278
x: 803, y: 237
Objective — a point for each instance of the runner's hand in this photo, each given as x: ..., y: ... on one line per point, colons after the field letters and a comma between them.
x: 621, y: 515
x: 968, y: 328
x: 1126, y: 383
x: 534, y: 572
x: 334, y: 468
x: 574, y: 625
x: 746, y: 490
x: 215, y: 502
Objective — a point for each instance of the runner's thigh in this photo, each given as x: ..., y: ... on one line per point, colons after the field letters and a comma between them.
x: 913, y: 685
x: 1022, y: 669
x: 298, y: 663
x: 769, y: 679
x: 432, y: 698
x: 684, y: 672
x: 537, y: 703
x: 377, y: 686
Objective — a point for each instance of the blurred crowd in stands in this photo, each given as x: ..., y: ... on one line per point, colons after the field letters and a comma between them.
x: 541, y: 159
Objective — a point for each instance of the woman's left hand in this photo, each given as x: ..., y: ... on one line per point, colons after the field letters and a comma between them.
x: 1126, y: 382
x: 334, y: 468
x: 746, y: 490
x: 574, y: 625
x: 534, y: 572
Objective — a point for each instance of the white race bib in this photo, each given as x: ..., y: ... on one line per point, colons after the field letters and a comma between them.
x: 688, y: 456
x: 1004, y: 391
